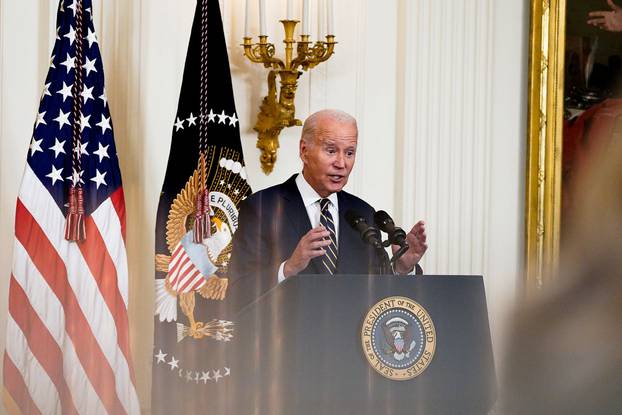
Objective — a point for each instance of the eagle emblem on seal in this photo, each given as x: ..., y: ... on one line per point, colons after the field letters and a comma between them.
x: 399, y: 337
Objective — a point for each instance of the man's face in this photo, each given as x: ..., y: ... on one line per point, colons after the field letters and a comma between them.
x: 328, y: 158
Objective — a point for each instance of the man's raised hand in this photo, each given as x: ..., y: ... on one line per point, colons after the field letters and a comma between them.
x: 416, y: 239
x: 311, y: 245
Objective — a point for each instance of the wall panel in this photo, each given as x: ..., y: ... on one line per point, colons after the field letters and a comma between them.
x: 460, y: 135
x: 444, y: 132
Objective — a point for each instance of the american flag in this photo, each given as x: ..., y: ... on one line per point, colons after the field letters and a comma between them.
x: 68, y: 343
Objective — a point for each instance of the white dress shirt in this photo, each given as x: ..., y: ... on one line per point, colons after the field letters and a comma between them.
x: 311, y: 200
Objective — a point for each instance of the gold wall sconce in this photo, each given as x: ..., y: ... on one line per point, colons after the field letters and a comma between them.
x: 276, y: 113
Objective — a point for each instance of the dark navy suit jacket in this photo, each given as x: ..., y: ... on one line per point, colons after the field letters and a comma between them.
x: 271, y: 223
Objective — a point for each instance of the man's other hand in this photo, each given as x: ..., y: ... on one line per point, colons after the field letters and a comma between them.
x: 416, y: 239
x: 310, y: 246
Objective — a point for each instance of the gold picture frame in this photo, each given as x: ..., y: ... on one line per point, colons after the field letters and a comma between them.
x: 544, y: 152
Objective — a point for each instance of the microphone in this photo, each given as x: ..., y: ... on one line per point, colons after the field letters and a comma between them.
x: 369, y: 234
x: 397, y: 236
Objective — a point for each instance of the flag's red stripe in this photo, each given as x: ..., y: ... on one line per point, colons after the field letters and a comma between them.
x: 177, y: 276
x: 180, y: 264
x: 118, y: 201
x: 105, y: 274
x: 15, y: 386
x: 190, y: 281
x: 199, y: 283
x: 183, y: 276
x: 41, y: 343
x: 176, y: 259
x: 52, y: 268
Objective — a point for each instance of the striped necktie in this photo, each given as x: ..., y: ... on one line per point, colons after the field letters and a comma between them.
x: 329, y: 260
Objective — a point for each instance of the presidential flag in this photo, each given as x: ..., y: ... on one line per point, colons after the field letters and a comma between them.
x: 68, y: 349
x: 197, y: 216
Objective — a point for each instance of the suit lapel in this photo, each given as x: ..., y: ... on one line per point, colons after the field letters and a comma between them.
x: 297, y: 217
x: 295, y: 210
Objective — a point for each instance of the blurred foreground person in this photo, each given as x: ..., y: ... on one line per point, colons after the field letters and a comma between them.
x: 565, y: 351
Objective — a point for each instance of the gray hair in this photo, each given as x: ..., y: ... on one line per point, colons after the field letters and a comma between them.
x: 311, y: 125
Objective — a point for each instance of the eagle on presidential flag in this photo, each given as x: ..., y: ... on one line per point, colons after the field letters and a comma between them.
x: 197, y: 216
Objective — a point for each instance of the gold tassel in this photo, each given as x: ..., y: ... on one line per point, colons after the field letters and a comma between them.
x: 201, y: 218
x: 75, y: 227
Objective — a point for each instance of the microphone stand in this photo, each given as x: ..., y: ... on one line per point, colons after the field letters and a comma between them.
x: 385, y: 262
x: 387, y: 265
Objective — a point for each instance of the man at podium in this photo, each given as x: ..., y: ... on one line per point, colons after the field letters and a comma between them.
x: 300, y: 227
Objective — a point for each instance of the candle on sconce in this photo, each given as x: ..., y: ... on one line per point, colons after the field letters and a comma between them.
x: 262, y: 18
x: 246, y: 17
x: 305, y: 17
x: 290, y: 9
x: 330, y: 11
x: 321, y: 19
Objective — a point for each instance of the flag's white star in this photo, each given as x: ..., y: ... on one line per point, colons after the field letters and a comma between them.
x: 179, y: 124
x: 188, y: 375
x: 87, y: 93
x: 90, y: 65
x: 58, y: 30
x: 104, y: 124
x: 160, y: 356
x: 52, y: 62
x: 75, y: 177
x: 222, y: 182
x: 58, y: 147
x: 91, y: 37
x: 222, y: 117
x: 81, y: 149
x: 71, y: 35
x: 55, y: 175
x: 211, y: 117
x: 236, y: 192
x: 73, y: 6
x: 227, y: 371
x: 102, y: 151
x: 65, y: 91
x: 62, y: 6
x: 88, y: 10
x: 99, y: 178
x: 84, y: 122
x: 35, y: 145
x: 62, y: 119
x: 40, y: 119
x: 46, y: 90
x: 205, y: 377
x: 217, y: 375
x: 173, y: 363
x: 191, y: 120
x: 196, y: 377
x: 69, y: 63
x: 233, y: 120
x: 104, y: 98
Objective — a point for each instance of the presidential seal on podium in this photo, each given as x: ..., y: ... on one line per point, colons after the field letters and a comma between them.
x: 398, y: 338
